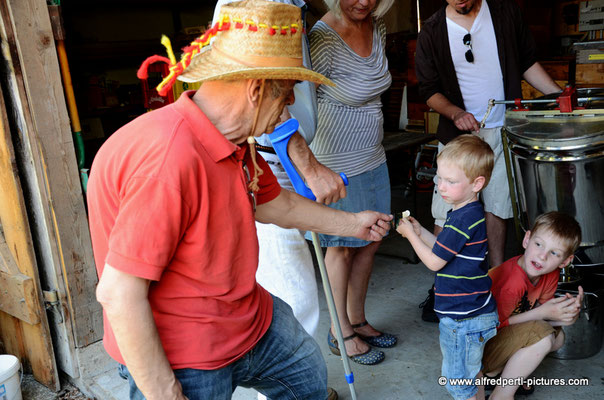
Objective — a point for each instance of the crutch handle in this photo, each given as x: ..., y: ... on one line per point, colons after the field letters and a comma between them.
x: 279, y: 139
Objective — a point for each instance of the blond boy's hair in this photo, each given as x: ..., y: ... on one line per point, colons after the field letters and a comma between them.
x: 561, y: 225
x: 472, y: 155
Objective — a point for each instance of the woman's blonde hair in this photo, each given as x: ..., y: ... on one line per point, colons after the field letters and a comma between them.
x: 381, y: 7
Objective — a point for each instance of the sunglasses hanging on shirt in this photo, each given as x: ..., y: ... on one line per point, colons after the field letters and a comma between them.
x: 467, y: 40
x: 248, y: 179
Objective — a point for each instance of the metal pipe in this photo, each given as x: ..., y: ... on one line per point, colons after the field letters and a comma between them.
x: 513, y: 196
x: 533, y: 101
x: 71, y: 103
x: 73, y: 113
x: 333, y: 312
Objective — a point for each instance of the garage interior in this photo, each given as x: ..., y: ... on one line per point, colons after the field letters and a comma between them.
x: 57, y: 335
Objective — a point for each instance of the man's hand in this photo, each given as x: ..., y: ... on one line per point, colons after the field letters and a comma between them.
x: 372, y: 225
x: 464, y: 121
x: 326, y: 185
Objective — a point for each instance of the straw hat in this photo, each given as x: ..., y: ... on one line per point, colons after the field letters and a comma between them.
x: 264, y: 40
x: 253, y: 39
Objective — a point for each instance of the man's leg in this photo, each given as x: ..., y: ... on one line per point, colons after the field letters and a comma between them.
x: 286, y: 270
x: 496, y: 198
x: 196, y: 384
x: 286, y: 363
x: 496, y: 233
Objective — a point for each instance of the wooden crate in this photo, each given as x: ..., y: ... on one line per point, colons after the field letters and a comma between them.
x: 590, y: 74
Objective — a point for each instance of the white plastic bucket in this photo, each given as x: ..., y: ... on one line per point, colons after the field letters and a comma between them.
x: 10, y: 381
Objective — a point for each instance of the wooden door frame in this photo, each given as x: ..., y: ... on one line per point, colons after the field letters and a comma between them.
x: 50, y: 179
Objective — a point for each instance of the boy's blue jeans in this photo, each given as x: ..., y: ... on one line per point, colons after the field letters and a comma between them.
x: 462, y: 343
x: 285, y: 364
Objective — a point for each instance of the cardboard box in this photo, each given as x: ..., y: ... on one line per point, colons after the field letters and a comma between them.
x: 591, y: 15
x: 589, y: 52
x: 431, y: 121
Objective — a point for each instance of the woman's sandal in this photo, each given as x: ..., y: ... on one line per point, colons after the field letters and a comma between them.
x: 370, y: 357
x: 383, y: 340
x: 521, y: 391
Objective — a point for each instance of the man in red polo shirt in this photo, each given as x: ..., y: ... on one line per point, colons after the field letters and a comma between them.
x: 173, y: 196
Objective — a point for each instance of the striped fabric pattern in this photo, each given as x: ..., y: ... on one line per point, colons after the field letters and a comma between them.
x: 350, y: 120
x: 463, y: 286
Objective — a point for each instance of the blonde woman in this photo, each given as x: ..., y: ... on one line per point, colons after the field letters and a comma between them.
x: 348, y: 46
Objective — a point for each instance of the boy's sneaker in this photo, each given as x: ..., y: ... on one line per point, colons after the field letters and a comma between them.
x: 427, y: 307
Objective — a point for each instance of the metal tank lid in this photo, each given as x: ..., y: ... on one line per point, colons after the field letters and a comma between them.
x: 543, y: 127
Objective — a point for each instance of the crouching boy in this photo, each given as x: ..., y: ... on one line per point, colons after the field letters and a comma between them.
x: 463, y: 300
x: 530, y: 316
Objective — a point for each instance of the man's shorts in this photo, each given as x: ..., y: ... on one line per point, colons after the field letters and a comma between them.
x: 462, y: 343
x: 512, y: 338
x: 496, y: 196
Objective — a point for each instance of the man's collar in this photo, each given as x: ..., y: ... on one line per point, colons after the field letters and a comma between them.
x: 214, y: 142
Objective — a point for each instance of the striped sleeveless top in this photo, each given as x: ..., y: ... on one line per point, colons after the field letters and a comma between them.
x: 350, y: 120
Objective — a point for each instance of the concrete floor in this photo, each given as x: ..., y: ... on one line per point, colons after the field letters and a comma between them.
x: 411, y: 369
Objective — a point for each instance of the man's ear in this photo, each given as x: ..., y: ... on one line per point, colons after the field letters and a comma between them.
x: 252, y: 90
x: 478, y: 184
x: 525, y: 241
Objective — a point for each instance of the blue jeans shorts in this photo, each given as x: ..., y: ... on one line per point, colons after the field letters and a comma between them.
x: 462, y: 343
x: 285, y: 364
x: 367, y: 191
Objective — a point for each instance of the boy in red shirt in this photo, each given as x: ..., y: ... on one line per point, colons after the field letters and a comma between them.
x: 529, y: 315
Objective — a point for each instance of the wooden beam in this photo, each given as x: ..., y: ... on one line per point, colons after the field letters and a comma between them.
x: 17, y: 291
x: 57, y: 171
x: 23, y: 331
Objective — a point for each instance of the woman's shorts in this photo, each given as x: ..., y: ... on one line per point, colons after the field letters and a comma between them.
x: 512, y: 338
x: 367, y: 191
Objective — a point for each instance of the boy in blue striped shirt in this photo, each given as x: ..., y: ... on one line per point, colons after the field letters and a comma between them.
x: 463, y: 300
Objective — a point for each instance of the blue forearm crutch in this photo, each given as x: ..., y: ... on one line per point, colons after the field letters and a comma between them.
x: 280, y: 138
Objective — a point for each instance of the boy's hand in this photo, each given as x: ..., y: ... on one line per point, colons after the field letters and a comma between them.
x: 562, y: 309
x: 577, y: 305
x: 408, y: 225
x: 579, y: 299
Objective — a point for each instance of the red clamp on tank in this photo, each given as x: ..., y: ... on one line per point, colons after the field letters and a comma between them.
x: 518, y: 104
x: 567, y: 101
